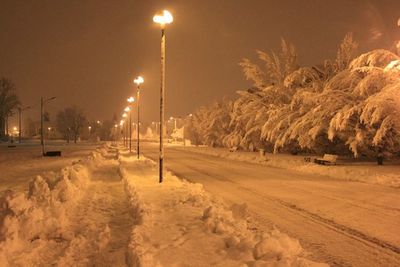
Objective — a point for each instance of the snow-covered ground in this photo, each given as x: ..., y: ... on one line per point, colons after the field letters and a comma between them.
x: 86, y: 215
x: 20, y: 164
x: 347, y: 169
x: 179, y: 224
x: 341, y: 222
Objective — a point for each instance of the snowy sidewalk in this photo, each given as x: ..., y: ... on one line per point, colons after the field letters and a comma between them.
x: 76, y: 217
x: 101, y: 221
x: 179, y: 224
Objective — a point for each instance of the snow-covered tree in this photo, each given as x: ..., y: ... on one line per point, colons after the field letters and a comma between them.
x: 346, y: 106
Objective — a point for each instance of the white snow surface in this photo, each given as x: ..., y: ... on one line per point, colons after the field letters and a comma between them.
x: 367, y: 172
x: 35, y: 229
x: 179, y: 224
x: 85, y: 215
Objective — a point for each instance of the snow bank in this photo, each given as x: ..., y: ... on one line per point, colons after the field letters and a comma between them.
x: 362, y: 172
x: 29, y: 222
x: 179, y: 224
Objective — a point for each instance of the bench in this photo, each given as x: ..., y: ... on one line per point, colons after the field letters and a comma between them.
x: 233, y: 149
x: 52, y: 154
x: 326, y: 159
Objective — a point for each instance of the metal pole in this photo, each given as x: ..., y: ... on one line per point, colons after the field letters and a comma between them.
x: 19, y: 124
x: 161, y: 166
x: 130, y: 131
x: 41, y: 125
x: 138, y: 119
x: 126, y: 134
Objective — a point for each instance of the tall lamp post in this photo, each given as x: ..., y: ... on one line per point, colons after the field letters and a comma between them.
x: 139, y: 80
x: 121, y: 134
x: 42, y: 102
x: 129, y: 110
x: 20, y: 109
x: 162, y: 19
x: 125, y: 130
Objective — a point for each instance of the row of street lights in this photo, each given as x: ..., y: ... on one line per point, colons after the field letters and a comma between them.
x: 128, y: 110
x: 162, y: 19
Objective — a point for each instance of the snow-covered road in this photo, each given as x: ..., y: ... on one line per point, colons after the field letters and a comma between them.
x: 342, y: 223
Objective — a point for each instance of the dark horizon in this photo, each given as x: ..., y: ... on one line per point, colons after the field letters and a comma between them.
x: 87, y: 53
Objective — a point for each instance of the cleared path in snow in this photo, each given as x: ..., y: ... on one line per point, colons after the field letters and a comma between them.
x: 101, y: 222
x: 342, y: 223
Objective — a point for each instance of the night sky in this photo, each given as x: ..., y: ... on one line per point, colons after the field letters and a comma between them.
x: 86, y: 53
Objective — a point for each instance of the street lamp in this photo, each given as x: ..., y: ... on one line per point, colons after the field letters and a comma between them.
x: 162, y: 19
x: 42, y: 102
x: 20, y: 109
x: 130, y: 101
x: 139, y: 80
x: 125, y: 130
x: 90, y: 131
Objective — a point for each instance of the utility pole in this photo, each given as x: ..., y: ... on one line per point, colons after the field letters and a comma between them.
x: 41, y: 125
x: 19, y: 124
x: 138, y: 120
x: 165, y: 18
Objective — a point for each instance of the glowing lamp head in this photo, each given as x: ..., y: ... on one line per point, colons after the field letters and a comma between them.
x: 127, y: 109
x: 139, y: 80
x: 164, y: 18
x: 131, y: 99
x: 90, y: 127
x: 116, y: 126
x: 124, y: 115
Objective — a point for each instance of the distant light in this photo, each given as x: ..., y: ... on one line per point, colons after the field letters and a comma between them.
x: 15, y: 128
x: 90, y: 127
x: 127, y: 109
x: 163, y: 19
x: 139, y: 80
x: 116, y: 125
x: 131, y: 99
x: 121, y: 122
x: 49, y: 128
x: 98, y: 122
x: 124, y: 115
x: 398, y: 22
x: 190, y: 115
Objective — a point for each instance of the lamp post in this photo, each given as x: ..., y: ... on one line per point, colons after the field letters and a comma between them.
x: 115, y: 134
x: 20, y: 121
x: 42, y: 102
x: 121, y: 124
x: 125, y: 130
x: 139, y: 80
x: 163, y: 19
x: 128, y: 109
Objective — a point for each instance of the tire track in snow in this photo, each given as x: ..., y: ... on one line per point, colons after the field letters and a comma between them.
x: 390, y: 250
